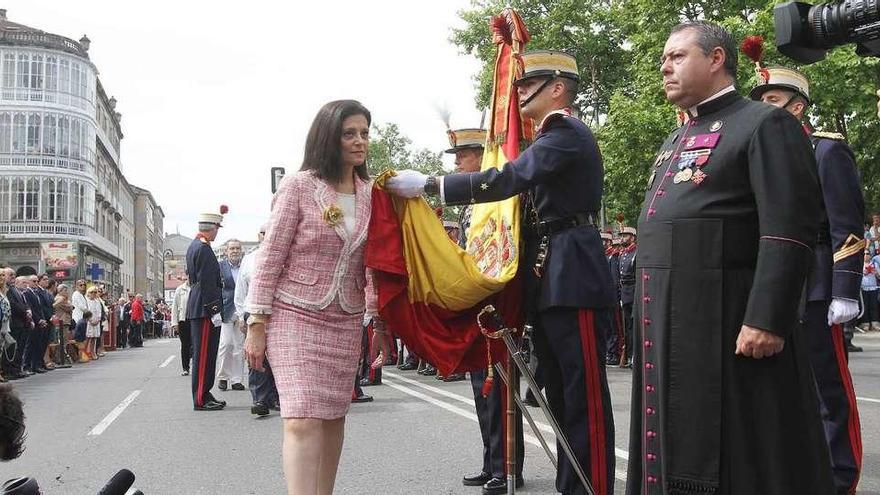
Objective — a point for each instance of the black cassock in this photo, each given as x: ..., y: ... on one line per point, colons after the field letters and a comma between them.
x: 725, y: 239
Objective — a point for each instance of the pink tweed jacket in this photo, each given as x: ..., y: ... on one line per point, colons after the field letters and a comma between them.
x: 306, y: 262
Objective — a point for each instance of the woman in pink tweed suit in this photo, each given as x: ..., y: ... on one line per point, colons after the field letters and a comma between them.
x: 309, y: 292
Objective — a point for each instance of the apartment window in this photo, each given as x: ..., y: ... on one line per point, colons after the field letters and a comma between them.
x: 51, y: 73
x: 18, y: 199
x: 62, y: 201
x: 64, y: 76
x: 50, y: 134
x: 4, y: 200
x: 5, y: 132
x: 19, y: 133
x: 31, y: 199
x: 24, y: 73
x: 8, y: 71
x: 36, y: 72
x: 49, y: 194
x: 64, y: 136
x: 75, y: 138
x: 34, y: 130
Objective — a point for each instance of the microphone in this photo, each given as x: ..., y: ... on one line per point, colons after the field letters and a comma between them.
x: 119, y: 483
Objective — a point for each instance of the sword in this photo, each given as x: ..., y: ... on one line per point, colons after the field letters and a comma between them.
x: 515, y: 354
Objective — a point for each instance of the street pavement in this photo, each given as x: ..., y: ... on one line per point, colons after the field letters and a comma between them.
x: 132, y: 409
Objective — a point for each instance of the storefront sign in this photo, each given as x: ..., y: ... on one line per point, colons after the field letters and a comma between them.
x: 59, y: 255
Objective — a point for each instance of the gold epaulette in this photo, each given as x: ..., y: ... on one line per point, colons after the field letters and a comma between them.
x: 829, y: 135
x: 204, y: 241
x: 851, y: 247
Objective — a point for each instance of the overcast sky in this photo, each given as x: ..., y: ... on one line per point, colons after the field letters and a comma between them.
x: 214, y: 93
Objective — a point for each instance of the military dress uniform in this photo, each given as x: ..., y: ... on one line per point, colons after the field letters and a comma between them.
x: 616, y: 332
x: 728, y: 225
x: 489, y: 409
x: 204, y: 304
x: 561, y: 172
x: 836, y: 274
x: 627, y: 277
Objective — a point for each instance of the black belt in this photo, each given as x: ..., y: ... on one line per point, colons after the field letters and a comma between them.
x: 552, y: 226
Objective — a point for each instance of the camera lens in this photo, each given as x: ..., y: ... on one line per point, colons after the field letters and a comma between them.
x: 849, y: 21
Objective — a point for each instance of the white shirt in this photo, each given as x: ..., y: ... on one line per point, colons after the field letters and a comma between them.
x: 248, y: 263
x: 78, y: 300
x: 178, y: 305
x: 349, y: 214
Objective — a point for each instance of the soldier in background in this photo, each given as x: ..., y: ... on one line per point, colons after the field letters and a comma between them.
x: 627, y: 263
x: 834, y: 283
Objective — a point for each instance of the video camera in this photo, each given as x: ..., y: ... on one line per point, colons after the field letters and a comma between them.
x: 805, y: 32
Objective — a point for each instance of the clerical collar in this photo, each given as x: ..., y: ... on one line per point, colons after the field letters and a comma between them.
x: 708, y: 105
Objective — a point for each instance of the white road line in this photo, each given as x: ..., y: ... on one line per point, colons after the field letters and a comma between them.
x: 164, y: 341
x: 531, y: 439
x: 167, y: 361
x: 867, y: 399
x: 110, y: 418
x: 542, y: 426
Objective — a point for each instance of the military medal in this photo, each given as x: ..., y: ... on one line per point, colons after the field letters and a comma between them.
x: 686, y: 174
x: 716, y: 126
x: 699, y: 177
x: 678, y: 178
x: 651, y: 178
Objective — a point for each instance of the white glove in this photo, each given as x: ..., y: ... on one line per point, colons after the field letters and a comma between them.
x: 407, y: 183
x: 216, y: 320
x: 842, y: 311
x: 367, y: 319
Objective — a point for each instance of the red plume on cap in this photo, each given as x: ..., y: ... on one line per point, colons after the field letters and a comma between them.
x: 224, y: 209
x: 753, y: 47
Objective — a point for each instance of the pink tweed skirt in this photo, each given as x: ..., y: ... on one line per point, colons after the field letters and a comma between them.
x: 314, y: 357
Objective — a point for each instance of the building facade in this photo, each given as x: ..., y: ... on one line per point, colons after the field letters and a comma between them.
x: 65, y: 205
x: 148, y: 245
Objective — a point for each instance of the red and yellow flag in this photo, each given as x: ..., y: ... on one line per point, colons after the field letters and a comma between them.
x: 430, y: 290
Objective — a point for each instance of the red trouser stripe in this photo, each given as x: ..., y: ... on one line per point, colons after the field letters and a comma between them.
x: 595, y: 411
x: 203, y: 359
x: 854, y: 425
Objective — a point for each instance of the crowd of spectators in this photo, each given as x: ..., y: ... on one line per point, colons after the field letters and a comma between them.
x: 45, y: 324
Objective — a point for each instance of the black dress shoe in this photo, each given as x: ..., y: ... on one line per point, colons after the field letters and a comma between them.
x: 275, y: 407
x: 429, y: 371
x: 39, y: 370
x: 853, y: 348
x: 362, y: 398
x: 455, y: 377
x: 16, y: 376
x: 498, y: 486
x: 222, y: 385
x: 408, y: 367
x: 209, y: 406
x: 530, y: 400
x: 260, y: 409
x: 478, y: 479
x: 367, y: 383
x: 210, y: 398
x: 237, y: 386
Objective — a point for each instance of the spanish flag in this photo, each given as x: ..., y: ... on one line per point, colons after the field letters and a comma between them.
x: 430, y: 290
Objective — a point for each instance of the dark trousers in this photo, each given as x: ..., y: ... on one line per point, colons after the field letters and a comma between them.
x: 366, y: 371
x: 616, y: 335
x: 491, y: 418
x: 33, y: 350
x: 136, y: 334
x: 206, y: 341
x: 626, y: 348
x: 262, y: 385
x: 186, y: 346
x: 837, y: 399
x: 121, y: 331
x: 570, y: 343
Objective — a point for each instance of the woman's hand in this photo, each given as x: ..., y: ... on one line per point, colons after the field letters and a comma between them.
x: 255, y: 345
x: 381, y: 347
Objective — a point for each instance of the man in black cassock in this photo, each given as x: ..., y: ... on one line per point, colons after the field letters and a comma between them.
x: 724, y: 400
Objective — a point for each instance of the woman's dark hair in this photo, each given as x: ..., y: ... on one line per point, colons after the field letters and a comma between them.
x: 11, y: 424
x: 87, y: 315
x: 322, y: 153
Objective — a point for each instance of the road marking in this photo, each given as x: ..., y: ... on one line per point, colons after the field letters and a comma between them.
x: 867, y: 399
x: 164, y: 341
x: 529, y: 438
x: 110, y: 418
x: 167, y: 361
x: 542, y: 426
